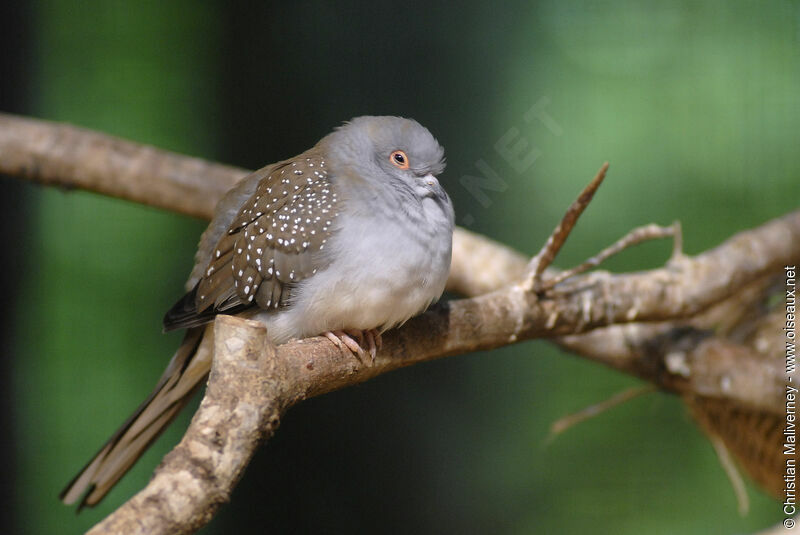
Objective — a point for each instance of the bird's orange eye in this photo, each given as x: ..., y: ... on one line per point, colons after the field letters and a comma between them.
x: 399, y: 159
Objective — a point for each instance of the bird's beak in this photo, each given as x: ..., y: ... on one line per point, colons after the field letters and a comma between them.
x: 431, y: 187
x: 430, y: 180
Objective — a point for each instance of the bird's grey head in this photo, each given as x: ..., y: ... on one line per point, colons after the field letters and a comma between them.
x: 392, y: 151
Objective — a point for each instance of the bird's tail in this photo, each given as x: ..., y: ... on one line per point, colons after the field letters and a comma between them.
x: 187, y: 369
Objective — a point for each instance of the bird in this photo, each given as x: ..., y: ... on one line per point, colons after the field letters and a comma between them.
x: 345, y: 240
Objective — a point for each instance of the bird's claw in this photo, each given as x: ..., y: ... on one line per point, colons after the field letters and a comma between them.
x: 346, y: 339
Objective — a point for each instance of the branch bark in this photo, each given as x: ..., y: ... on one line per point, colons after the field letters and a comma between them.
x: 652, y: 324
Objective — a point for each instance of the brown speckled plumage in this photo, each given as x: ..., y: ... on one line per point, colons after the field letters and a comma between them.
x: 271, y: 243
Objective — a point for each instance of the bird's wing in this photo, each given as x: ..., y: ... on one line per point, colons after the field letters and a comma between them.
x: 275, y: 241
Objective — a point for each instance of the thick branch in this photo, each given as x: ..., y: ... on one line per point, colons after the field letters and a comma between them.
x: 188, y: 487
x: 68, y: 156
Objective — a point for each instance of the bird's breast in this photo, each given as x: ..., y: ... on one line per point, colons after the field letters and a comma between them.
x: 384, y: 268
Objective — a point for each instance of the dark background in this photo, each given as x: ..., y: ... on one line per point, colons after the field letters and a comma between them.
x: 695, y: 104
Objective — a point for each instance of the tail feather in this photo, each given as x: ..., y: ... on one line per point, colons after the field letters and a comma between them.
x: 185, y: 372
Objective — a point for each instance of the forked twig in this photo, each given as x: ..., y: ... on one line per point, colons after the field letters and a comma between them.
x: 547, y: 254
x: 634, y: 237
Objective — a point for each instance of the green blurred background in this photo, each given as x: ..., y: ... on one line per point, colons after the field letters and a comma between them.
x: 695, y: 104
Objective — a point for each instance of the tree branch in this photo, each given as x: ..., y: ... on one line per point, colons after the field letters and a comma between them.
x: 63, y: 155
x: 652, y: 324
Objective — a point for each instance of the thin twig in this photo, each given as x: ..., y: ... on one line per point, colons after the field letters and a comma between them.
x: 677, y: 241
x: 735, y: 478
x: 548, y: 253
x: 595, y: 409
x: 634, y: 237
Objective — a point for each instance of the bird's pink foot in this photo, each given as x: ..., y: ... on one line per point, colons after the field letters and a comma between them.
x: 374, y: 342
x: 346, y: 339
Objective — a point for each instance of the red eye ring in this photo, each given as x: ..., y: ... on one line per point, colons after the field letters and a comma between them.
x: 399, y: 159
